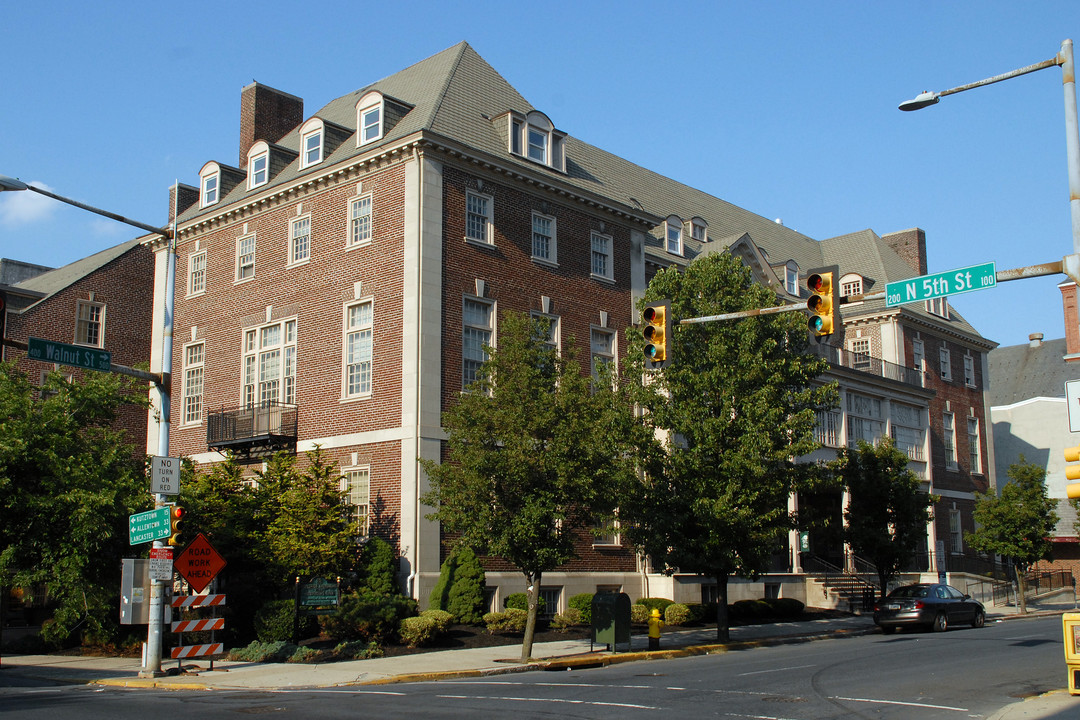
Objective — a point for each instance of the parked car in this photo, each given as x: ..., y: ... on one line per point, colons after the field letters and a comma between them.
x: 934, y: 606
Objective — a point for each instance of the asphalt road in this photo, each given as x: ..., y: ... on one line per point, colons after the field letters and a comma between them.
x: 963, y: 673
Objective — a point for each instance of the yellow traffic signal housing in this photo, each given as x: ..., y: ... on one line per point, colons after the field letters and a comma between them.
x: 823, y: 303
x: 1072, y: 472
x: 657, y: 332
x: 176, y: 514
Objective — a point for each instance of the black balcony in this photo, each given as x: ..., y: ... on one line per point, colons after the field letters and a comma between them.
x: 868, y: 364
x: 252, y: 432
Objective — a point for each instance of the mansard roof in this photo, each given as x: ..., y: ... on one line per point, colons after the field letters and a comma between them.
x: 1023, y: 372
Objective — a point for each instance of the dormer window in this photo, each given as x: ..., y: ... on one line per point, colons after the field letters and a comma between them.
x: 534, y: 136
x: 673, y: 234
x: 791, y: 279
x: 210, y: 182
x: 699, y: 230
x: 369, y: 118
x: 538, y: 145
x: 312, y: 134
x: 258, y: 168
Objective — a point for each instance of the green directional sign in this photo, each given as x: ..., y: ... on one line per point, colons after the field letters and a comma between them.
x: 953, y: 282
x: 148, y: 526
x: 74, y: 355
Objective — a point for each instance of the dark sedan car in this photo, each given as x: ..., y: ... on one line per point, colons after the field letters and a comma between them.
x: 932, y: 606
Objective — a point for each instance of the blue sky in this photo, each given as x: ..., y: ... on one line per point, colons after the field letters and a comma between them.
x: 788, y: 109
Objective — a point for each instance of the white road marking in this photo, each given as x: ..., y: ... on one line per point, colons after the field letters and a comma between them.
x: 899, y: 702
x: 772, y: 670
x: 547, y: 700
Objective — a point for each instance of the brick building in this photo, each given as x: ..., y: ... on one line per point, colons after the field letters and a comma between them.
x: 336, y: 287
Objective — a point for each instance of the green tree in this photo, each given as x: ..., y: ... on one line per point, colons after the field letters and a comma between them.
x: 887, y: 513
x: 460, y: 589
x: 738, y: 402
x: 1017, y: 523
x: 534, y: 451
x: 69, y: 479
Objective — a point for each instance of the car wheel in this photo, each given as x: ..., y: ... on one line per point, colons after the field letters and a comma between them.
x: 887, y: 629
x: 941, y: 623
x: 979, y: 620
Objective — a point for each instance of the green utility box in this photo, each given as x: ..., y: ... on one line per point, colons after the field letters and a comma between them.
x: 611, y: 620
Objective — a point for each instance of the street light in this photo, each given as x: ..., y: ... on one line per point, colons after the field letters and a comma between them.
x: 1064, y: 59
x: 153, y: 639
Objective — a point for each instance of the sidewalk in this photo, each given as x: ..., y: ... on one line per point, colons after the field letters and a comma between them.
x: 476, y: 662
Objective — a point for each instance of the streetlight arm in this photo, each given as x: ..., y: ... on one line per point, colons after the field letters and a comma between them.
x: 931, y: 98
x: 8, y: 183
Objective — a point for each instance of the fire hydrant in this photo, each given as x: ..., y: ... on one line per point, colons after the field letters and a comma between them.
x: 655, y: 623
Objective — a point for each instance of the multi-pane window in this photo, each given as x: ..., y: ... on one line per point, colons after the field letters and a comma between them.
x: 477, y: 331
x: 674, y: 237
x: 269, y: 367
x: 258, y: 170
x: 602, y: 344
x: 918, y: 354
x: 370, y: 124
x: 699, y: 231
x: 969, y: 371
x: 605, y: 532
x: 538, y: 145
x: 360, y: 220
x: 245, y: 257
x: 948, y: 435
x: 864, y: 419
x: 478, y: 218
x: 956, y: 536
x: 358, y: 349
x: 827, y: 428
x: 791, y: 281
x: 197, y: 273
x: 974, y: 455
x: 299, y: 240
x: 938, y: 306
x: 601, y: 256
x: 356, y: 484
x: 210, y: 190
x: 908, y: 429
x: 543, y: 237
x: 90, y: 323
x: 851, y: 287
x: 860, y: 354
x: 194, y: 359
x: 550, y: 596
x: 945, y: 364
x: 312, y: 147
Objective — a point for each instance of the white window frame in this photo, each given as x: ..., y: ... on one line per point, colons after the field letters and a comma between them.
x: 540, y: 149
x: 974, y: 448
x: 196, y: 284
x: 210, y: 189
x: 194, y: 379
x: 361, y: 224
x: 472, y: 335
x: 827, y: 427
x: 673, y: 236
x: 550, y: 238
x: 601, y: 263
x: 254, y: 171
x: 245, y: 261
x: 851, y: 287
x: 554, y: 337
x: 948, y: 440
x: 699, y: 231
x: 945, y: 364
x: 475, y: 220
x: 611, y: 538
x: 956, y: 534
x: 791, y: 280
x: 860, y: 354
x: 90, y: 321
x: 938, y: 306
x: 608, y: 352
x: 865, y: 419
x: 356, y: 486
x: 358, y: 349
x: 365, y: 125
x: 299, y: 245
x: 263, y: 351
x: 311, y: 147
x: 969, y: 371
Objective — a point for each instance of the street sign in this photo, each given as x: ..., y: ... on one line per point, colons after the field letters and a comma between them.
x: 1072, y: 398
x: 199, y: 563
x: 74, y: 355
x: 953, y: 282
x: 164, y: 475
x: 148, y: 526
x: 161, y: 564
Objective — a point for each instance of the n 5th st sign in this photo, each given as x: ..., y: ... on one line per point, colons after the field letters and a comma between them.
x: 953, y: 282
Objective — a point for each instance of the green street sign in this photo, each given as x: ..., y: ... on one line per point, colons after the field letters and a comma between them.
x: 953, y: 282
x: 74, y: 355
x: 149, y: 526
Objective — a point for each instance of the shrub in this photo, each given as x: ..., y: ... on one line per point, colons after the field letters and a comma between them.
x: 512, y: 620
x: 418, y: 630
x: 274, y: 622
x: 367, y: 616
x: 378, y: 568
x: 676, y: 614
x: 520, y: 601
x: 304, y: 654
x: 702, y: 612
x: 441, y: 618
x: 570, y: 618
x: 460, y: 589
x: 639, y: 614
x: 749, y: 610
x: 582, y: 602
x: 358, y: 651
x: 787, y: 607
x: 658, y: 603
x: 279, y: 651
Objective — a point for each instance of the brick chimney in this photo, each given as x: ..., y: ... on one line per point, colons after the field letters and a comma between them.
x: 186, y: 197
x: 911, y: 246
x: 1072, y: 319
x: 266, y: 114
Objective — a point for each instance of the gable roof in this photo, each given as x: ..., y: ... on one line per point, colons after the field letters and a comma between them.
x: 51, y: 282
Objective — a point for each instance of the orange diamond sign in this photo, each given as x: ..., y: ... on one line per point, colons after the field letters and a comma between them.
x: 199, y: 563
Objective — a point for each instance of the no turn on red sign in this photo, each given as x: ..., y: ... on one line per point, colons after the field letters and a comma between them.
x: 199, y: 563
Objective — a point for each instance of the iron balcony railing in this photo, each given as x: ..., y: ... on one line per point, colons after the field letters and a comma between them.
x: 268, y: 424
x: 869, y: 364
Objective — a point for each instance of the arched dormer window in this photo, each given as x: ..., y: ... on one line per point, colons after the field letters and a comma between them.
x: 312, y: 135
x: 699, y: 230
x: 534, y: 136
x: 673, y: 235
x: 258, y: 165
x: 851, y: 284
x: 370, y: 115
x: 791, y: 278
x: 209, y: 184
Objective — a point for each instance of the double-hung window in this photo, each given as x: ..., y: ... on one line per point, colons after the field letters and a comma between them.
x: 791, y: 281
x: 300, y: 240
x: 210, y: 189
x: 478, y: 218
x: 197, y: 273
x: 477, y: 332
x: 269, y: 365
x: 358, y: 349
x: 360, y: 220
x: 370, y: 124
x: 194, y: 362
x: 90, y: 323
x: 538, y: 144
x: 602, y: 347
x: 945, y: 364
x: 674, y: 237
x: 258, y: 170
x: 948, y: 434
x: 974, y: 454
x: 356, y: 485
x: 602, y: 257
x: 860, y: 354
x: 312, y: 147
x: 245, y: 257
x: 543, y: 237
x: 969, y: 371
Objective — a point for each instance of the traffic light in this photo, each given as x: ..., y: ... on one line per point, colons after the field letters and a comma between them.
x: 657, y: 332
x: 823, y: 303
x: 1072, y: 472
x: 176, y: 514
